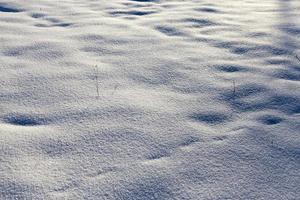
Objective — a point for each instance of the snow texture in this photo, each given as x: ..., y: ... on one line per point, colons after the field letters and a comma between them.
x: 150, y: 99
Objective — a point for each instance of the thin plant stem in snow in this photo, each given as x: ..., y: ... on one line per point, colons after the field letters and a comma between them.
x: 96, y: 79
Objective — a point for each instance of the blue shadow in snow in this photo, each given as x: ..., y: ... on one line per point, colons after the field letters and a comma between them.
x: 6, y: 8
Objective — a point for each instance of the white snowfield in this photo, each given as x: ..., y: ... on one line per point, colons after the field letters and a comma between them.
x: 150, y: 99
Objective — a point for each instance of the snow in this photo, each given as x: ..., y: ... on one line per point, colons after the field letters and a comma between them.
x: 197, y: 99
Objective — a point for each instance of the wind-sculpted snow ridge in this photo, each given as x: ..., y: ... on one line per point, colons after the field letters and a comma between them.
x: 149, y: 99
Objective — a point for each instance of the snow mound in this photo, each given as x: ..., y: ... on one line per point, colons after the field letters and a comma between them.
x: 149, y: 99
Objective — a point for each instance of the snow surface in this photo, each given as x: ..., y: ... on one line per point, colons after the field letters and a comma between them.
x: 197, y: 99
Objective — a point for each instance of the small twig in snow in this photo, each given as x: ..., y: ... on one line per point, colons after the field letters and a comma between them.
x: 96, y: 79
x: 234, y: 88
x: 297, y: 57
